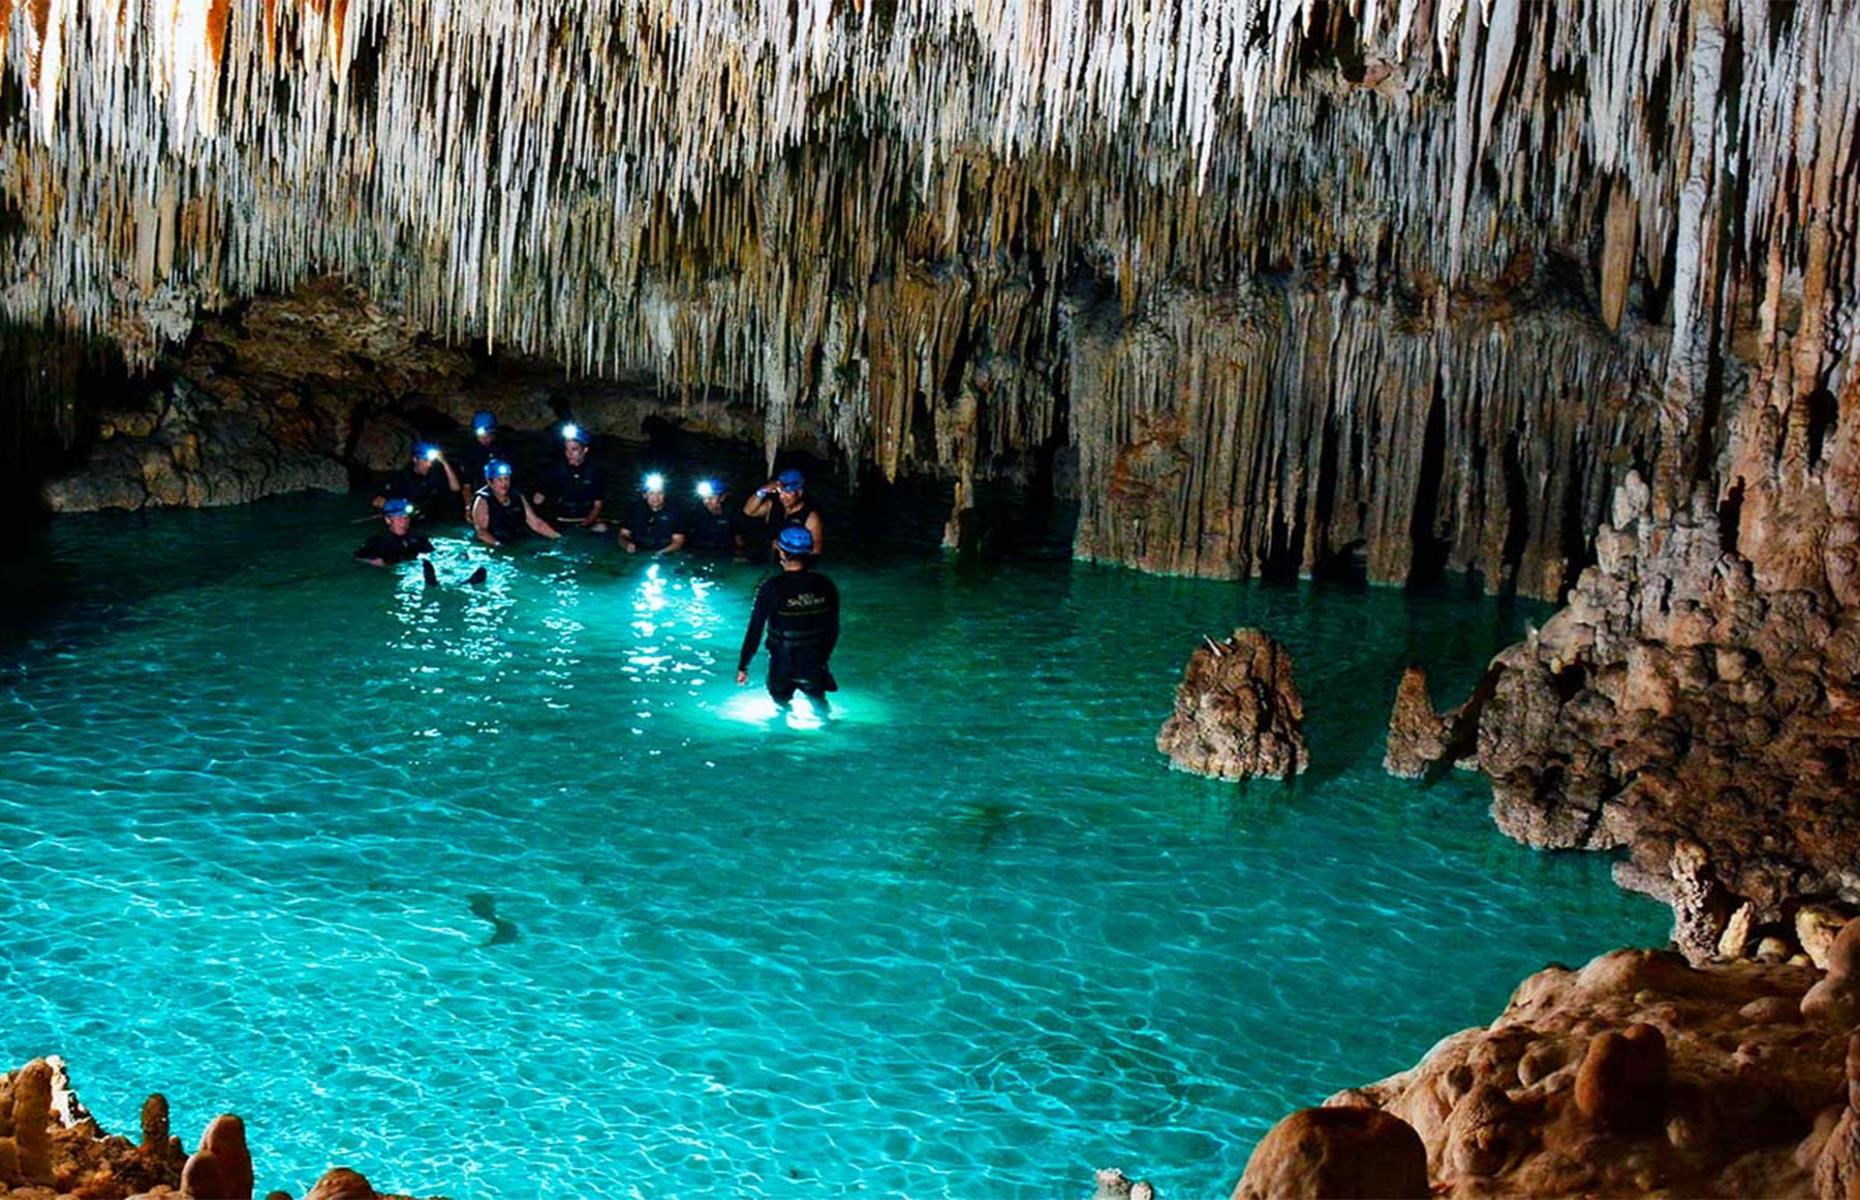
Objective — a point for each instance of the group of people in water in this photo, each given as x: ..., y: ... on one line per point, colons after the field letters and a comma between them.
x: 797, y: 610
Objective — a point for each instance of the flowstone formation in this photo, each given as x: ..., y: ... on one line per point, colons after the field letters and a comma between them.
x: 1637, y: 1074
x: 1237, y: 713
x: 1299, y: 280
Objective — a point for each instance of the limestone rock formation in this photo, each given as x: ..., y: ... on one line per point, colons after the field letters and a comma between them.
x: 341, y: 1183
x: 1678, y: 710
x: 1336, y: 1152
x: 50, y: 1147
x: 1237, y: 713
x: 1835, y: 1001
x: 221, y: 1168
x: 1421, y: 738
x: 1636, y: 1074
x: 288, y: 397
x: 1293, y: 283
x: 1113, y: 1184
x: 1417, y: 734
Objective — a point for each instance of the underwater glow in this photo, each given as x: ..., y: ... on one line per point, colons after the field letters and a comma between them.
x: 498, y: 859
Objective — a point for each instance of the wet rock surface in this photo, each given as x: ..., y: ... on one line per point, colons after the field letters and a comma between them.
x: 51, y: 1148
x: 1337, y: 1151
x: 1676, y: 709
x: 1237, y: 713
x: 286, y: 395
x: 1636, y: 1074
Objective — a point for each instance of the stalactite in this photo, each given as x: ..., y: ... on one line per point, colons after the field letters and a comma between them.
x: 827, y: 205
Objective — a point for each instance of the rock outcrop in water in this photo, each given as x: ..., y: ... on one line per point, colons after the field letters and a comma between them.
x: 1678, y: 709
x: 1636, y: 1074
x: 1336, y: 1151
x: 1237, y: 713
x: 1420, y: 738
x: 51, y: 1148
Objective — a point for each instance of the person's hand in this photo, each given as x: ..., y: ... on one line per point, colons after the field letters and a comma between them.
x: 742, y: 677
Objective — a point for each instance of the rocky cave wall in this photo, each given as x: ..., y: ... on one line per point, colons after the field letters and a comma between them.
x: 1298, y: 278
x: 1423, y: 279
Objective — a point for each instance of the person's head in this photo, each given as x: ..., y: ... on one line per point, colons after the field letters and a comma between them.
x: 653, y: 488
x: 795, y: 544
x: 711, y: 492
x: 574, y: 444
x: 424, y: 456
x: 484, y: 427
x: 791, y: 485
x: 497, y: 474
x: 398, y: 514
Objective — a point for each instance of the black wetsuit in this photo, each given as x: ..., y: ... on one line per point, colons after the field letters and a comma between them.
x: 427, y: 492
x: 802, y: 612
x: 778, y: 518
x: 508, y: 523
x: 391, y: 547
x: 713, y: 533
x: 573, y: 491
x: 471, y: 461
x: 652, y: 530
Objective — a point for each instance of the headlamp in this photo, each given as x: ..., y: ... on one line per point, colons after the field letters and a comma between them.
x: 430, y: 453
x: 655, y: 482
x: 706, y: 489
x: 571, y: 432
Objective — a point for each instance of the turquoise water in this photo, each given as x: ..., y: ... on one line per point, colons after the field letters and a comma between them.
x: 512, y: 891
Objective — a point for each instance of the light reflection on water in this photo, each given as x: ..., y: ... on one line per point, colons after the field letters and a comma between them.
x: 509, y: 889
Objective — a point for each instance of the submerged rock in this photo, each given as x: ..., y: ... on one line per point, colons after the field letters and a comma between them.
x: 1113, y: 1184
x: 341, y: 1183
x: 1238, y: 713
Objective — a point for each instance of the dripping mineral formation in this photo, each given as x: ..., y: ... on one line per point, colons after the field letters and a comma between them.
x: 1297, y: 282
x: 1560, y: 294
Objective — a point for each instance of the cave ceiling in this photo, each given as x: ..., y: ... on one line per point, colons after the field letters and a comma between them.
x: 734, y: 194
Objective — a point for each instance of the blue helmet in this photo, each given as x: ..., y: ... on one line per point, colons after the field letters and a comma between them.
x: 495, y: 468
x: 426, y: 450
x: 795, y: 539
x: 483, y: 421
x: 397, y: 507
x: 791, y: 480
